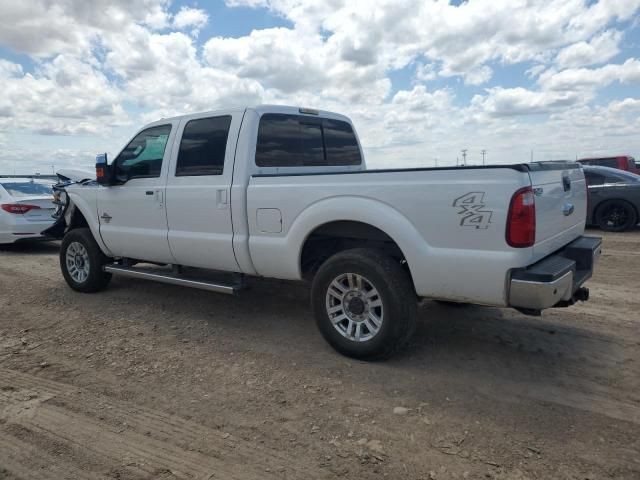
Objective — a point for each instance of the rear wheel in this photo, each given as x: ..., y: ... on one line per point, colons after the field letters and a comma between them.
x: 616, y: 216
x: 364, y: 303
x: 81, y: 261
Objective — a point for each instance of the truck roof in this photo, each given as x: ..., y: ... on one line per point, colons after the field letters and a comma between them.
x: 260, y: 110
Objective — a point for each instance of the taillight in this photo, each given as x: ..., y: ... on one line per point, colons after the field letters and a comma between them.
x: 18, y: 208
x: 521, y: 220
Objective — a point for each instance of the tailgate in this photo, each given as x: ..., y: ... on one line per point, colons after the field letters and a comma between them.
x: 561, y: 204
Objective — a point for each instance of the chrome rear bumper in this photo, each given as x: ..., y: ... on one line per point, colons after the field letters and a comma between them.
x: 555, y: 281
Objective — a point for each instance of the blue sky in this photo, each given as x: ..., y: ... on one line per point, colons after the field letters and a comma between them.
x: 420, y: 79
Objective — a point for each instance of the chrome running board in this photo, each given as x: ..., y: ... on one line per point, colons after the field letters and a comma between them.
x: 173, y: 279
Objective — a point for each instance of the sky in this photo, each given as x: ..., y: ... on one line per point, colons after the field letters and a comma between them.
x: 422, y: 80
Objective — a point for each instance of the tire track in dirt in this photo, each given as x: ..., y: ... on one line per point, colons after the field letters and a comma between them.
x: 27, y: 461
x: 148, y: 442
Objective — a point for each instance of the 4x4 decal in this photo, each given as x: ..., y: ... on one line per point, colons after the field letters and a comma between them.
x: 471, y: 210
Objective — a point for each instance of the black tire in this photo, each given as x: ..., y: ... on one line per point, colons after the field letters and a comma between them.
x: 96, y: 278
x: 396, y: 293
x: 616, y: 216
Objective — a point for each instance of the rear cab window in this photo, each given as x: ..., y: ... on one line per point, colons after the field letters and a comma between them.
x: 286, y: 140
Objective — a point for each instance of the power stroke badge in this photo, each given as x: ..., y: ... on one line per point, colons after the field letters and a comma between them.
x: 471, y: 208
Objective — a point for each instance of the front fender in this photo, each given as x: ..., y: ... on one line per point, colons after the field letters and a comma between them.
x: 70, y: 214
x: 87, y: 205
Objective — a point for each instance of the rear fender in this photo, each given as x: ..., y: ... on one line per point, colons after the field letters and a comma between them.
x: 274, y: 256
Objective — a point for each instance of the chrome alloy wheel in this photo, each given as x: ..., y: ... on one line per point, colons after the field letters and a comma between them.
x: 77, y: 259
x: 354, y: 307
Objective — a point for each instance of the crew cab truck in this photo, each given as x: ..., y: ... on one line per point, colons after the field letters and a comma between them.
x: 284, y: 192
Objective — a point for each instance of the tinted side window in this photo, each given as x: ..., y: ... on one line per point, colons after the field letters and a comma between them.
x: 340, y: 143
x: 615, y: 179
x: 594, y: 178
x: 289, y: 141
x: 203, y: 147
x: 297, y: 141
x: 142, y: 158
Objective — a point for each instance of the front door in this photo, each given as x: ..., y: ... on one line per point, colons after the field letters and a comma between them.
x: 199, y: 192
x: 132, y: 214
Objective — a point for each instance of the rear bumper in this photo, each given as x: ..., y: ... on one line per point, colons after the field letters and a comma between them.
x: 556, y: 280
x: 19, y: 230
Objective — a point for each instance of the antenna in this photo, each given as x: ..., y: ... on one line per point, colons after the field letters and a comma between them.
x: 464, y: 156
x: 483, y: 152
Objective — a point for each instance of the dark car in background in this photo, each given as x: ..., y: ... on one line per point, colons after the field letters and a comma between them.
x: 614, y: 198
x: 621, y: 162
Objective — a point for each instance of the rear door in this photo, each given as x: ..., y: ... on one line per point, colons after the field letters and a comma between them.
x: 199, y: 192
x: 561, y: 203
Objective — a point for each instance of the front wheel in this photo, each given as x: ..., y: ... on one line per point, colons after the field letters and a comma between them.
x: 81, y: 261
x: 364, y: 303
x: 616, y: 216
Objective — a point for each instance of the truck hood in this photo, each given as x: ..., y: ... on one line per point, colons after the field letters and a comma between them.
x: 75, y: 175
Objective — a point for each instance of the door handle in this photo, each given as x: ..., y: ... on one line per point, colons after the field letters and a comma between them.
x: 149, y: 192
x: 221, y: 198
x: 567, y: 209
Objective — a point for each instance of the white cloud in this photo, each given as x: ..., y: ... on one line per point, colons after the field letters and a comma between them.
x: 162, y: 72
x: 597, y: 50
x: 463, y: 39
x: 576, y: 78
x: 425, y: 72
x: 478, y: 76
x: 504, y: 102
x: 143, y: 59
x: 277, y: 57
x: 66, y: 96
x: 43, y: 28
x: 194, y: 18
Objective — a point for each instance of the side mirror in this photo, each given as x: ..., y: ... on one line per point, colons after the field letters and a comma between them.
x: 103, y: 171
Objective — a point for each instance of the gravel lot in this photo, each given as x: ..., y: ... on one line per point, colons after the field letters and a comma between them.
x: 150, y: 381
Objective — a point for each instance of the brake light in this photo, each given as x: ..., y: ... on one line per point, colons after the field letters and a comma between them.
x: 18, y: 208
x: 521, y: 220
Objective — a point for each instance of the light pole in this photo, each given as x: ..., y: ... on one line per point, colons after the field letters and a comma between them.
x: 483, y: 152
x: 464, y: 156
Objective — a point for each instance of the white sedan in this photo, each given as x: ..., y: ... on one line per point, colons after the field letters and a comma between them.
x: 25, y: 208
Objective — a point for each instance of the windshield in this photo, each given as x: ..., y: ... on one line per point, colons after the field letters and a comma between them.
x: 27, y: 189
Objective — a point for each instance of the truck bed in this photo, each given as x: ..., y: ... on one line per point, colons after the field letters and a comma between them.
x: 448, y: 221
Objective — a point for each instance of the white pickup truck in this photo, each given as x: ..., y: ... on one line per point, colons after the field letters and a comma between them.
x: 284, y: 192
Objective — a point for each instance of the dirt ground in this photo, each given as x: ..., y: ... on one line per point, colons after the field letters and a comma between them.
x: 151, y: 381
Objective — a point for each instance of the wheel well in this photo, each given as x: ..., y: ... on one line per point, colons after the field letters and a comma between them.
x: 77, y: 220
x: 331, y: 238
x: 594, y: 216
